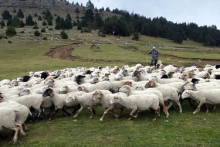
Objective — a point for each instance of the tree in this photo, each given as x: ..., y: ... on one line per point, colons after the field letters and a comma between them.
x: 29, y: 20
x: 36, y: 33
x: 90, y: 5
x: 20, y: 14
x: 89, y: 15
x: 6, y: 15
x: 39, y: 17
x: 135, y: 36
x: 15, y: 22
x: 2, y: 24
x: 77, y: 10
x: 63, y: 35
x: 44, y: 23
x: 10, y: 31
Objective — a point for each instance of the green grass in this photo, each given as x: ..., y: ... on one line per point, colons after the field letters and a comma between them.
x: 25, y: 55
x: 178, y: 130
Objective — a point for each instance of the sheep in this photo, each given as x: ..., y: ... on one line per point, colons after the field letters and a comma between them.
x: 8, y: 120
x: 165, y: 81
x: 177, y: 85
x: 57, y: 99
x: 201, y: 86
x: 138, y: 103
x: 85, y: 100
x: 138, y: 75
x: 21, y: 115
x: 127, y: 89
x: 104, y: 97
x: 210, y: 96
x: 169, y: 93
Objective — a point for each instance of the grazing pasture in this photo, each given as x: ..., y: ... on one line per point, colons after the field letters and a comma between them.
x: 185, y: 129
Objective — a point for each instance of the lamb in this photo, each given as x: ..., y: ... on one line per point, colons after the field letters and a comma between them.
x: 8, y: 120
x: 203, y: 96
x: 138, y: 103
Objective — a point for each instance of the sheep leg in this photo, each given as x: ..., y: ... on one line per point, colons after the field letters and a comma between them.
x: 92, y: 114
x: 53, y: 115
x: 77, y: 113
x: 214, y: 108
x: 198, y: 108
x: 25, y: 127
x: 65, y: 111
x: 15, y: 138
x: 180, y: 107
x: 157, y: 114
x: 131, y: 114
x: 207, y: 108
x: 170, y: 104
x: 76, y: 108
x: 113, y: 112
x: 106, y: 111
x: 21, y: 129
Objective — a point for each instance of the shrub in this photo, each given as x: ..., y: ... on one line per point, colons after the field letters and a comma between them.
x: 36, y: 33
x: 2, y: 24
x: 44, y: 23
x: 9, y: 42
x: 43, y: 30
x: 20, y: 14
x: 135, y: 37
x: 35, y: 27
x: 29, y: 20
x: 44, y: 38
x: 10, y: 31
x: 0, y: 36
x: 39, y: 17
x: 22, y: 32
x: 6, y: 15
x: 63, y: 35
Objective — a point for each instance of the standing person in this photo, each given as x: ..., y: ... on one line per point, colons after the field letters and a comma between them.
x: 155, y: 55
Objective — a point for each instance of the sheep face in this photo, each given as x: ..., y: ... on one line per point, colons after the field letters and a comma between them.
x: 124, y: 89
x: 81, y: 88
x: 63, y: 90
x: 97, y: 95
x: 150, y: 84
x: 186, y: 94
x: 49, y: 83
x: 49, y: 92
x: 95, y: 80
x: 25, y: 91
x: 70, y: 98
x: 129, y: 83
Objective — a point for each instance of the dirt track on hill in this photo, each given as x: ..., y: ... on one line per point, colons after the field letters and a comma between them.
x: 62, y: 52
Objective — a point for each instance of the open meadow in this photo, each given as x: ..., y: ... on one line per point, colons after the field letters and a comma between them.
x: 28, y: 53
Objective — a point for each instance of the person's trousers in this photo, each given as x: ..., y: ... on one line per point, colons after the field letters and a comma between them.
x: 154, y: 61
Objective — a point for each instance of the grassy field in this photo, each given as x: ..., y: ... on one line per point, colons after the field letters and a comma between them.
x: 24, y: 55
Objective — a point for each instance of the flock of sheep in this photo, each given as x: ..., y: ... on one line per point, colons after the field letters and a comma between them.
x: 137, y: 88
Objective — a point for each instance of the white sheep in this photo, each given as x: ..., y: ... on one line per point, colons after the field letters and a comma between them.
x: 8, y: 120
x: 138, y: 103
x: 210, y: 96
x: 104, y: 97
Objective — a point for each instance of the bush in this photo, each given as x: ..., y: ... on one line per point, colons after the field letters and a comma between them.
x: 39, y: 17
x: 9, y: 42
x: 44, y: 38
x: 29, y: 20
x: 22, y: 32
x: 63, y: 35
x: 44, y: 23
x: 135, y: 37
x: 6, y: 15
x: 0, y: 36
x: 43, y: 30
x: 2, y: 24
x: 10, y: 31
x: 35, y: 27
x: 36, y: 33
x: 20, y: 14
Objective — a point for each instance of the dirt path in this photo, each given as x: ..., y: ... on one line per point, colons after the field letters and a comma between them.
x: 62, y: 52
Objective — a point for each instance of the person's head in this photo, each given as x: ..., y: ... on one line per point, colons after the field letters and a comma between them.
x: 153, y: 47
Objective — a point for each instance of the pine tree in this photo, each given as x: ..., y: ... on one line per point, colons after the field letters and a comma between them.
x: 6, y: 15
x: 20, y: 14
x: 29, y: 20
